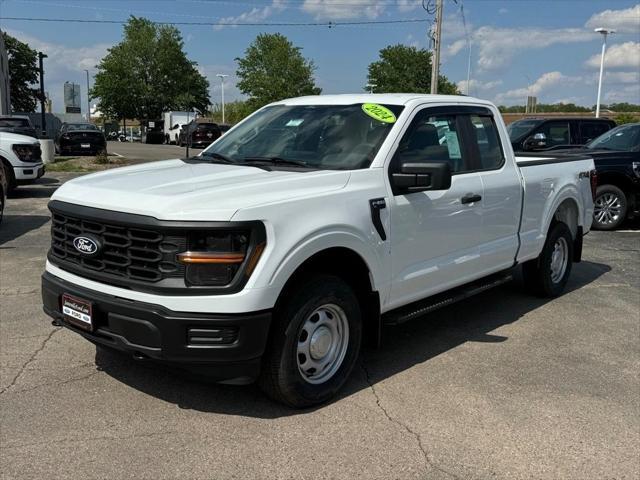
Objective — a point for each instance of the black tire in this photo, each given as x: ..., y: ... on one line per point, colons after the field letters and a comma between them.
x: 281, y: 377
x: 610, y: 208
x: 12, y: 184
x: 538, y: 273
x: 1, y: 201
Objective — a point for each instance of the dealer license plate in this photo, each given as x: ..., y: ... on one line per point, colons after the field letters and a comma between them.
x: 85, y: 145
x: 77, y: 311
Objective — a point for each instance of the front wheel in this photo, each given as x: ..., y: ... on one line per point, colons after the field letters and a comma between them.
x: 609, y: 208
x: 548, y: 274
x: 315, y: 342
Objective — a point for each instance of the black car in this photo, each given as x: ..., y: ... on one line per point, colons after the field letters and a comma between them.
x: 199, y: 134
x: 80, y: 138
x: 616, y: 154
x: 539, y: 134
x: 20, y: 125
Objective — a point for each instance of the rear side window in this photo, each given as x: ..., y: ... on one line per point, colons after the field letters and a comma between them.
x: 591, y: 130
x: 488, y: 142
x: 432, y: 138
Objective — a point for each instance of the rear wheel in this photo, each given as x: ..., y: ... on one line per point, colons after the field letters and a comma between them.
x: 610, y: 208
x: 548, y: 274
x: 315, y: 342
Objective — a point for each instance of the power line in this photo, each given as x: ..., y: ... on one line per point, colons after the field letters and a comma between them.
x: 329, y: 24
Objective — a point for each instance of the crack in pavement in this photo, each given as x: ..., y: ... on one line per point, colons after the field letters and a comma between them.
x: 59, y: 384
x: 26, y: 364
x: 416, y: 435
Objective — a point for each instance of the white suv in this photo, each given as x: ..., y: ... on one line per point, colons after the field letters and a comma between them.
x: 21, y: 157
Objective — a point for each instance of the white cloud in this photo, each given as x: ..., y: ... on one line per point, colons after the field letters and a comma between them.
x: 623, y: 21
x: 621, y: 55
x: 542, y: 84
x: 629, y: 93
x: 63, y: 64
x: 497, y: 46
x: 343, y: 9
x: 476, y: 86
x: 254, y: 15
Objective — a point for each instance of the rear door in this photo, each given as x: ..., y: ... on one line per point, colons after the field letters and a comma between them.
x: 502, y: 197
x: 435, y: 235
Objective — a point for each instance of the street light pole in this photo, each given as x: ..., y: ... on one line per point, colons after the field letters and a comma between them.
x: 43, y: 120
x: 604, y: 32
x: 222, y: 77
x: 435, y: 58
x: 371, y: 86
x: 89, y: 100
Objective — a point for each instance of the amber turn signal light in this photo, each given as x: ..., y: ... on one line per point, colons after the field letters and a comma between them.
x: 210, y: 257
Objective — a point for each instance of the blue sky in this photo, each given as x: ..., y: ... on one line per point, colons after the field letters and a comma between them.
x: 543, y: 47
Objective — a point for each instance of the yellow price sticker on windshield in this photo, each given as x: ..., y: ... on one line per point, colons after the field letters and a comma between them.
x: 378, y: 112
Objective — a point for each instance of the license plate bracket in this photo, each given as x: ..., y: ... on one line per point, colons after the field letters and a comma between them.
x: 77, y: 311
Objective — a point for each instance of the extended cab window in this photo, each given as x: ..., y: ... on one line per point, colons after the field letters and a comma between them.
x: 591, y: 130
x: 432, y: 138
x: 488, y: 142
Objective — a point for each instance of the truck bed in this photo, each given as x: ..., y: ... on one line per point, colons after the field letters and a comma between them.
x: 549, y: 180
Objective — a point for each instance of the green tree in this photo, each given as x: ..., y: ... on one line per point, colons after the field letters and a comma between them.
x: 272, y: 69
x: 23, y: 72
x: 148, y: 73
x: 405, y: 69
x: 233, y: 111
x: 626, y: 117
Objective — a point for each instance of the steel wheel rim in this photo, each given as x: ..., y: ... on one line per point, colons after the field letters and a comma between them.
x: 559, y: 259
x: 322, y: 343
x: 607, y: 208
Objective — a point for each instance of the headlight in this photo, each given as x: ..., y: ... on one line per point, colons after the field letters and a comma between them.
x: 216, y: 258
x: 27, y: 153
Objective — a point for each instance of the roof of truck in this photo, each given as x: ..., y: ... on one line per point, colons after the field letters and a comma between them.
x: 382, y: 98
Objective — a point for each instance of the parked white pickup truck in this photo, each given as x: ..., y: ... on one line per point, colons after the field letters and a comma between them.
x: 293, y: 237
x: 22, y: 158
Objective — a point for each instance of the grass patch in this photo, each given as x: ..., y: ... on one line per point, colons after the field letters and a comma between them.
x: 85, y: 164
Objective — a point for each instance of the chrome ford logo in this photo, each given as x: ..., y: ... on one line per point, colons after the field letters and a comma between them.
x: 86, y: 246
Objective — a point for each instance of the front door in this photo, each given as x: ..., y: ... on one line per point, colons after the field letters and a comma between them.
x: 435, y: 235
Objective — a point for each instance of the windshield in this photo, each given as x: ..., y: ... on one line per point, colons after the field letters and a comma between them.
x: 14, y: 122
x: 81, y: 126
x: 326, y: 137
x: 520, y: 128
x: 625, y: 138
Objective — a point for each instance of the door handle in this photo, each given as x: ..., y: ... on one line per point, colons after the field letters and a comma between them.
x: 471, y: 198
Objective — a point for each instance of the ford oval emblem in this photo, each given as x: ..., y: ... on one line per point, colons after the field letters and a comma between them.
x: 86, y: 245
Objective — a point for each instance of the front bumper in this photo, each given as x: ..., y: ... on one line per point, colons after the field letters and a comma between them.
x: 26, y: 174
x: 224, y: 347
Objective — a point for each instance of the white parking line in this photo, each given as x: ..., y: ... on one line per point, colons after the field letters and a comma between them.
x: 116, y: 153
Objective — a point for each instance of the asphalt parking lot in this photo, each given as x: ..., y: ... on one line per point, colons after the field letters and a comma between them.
x: 504, y: 385
x: 141, y: 151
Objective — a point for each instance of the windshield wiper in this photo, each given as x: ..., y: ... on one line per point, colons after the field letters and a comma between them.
x: 276, y: 161
x: 219, y: 156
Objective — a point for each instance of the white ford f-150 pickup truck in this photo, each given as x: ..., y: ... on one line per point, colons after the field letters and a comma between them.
x: 274, y: 253
x: 22, y: 158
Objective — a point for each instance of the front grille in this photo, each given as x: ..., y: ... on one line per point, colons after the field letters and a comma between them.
x: 127, y: 253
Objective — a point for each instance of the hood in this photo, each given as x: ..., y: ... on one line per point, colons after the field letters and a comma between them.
x: 11, y: 138
x: 179, y: 190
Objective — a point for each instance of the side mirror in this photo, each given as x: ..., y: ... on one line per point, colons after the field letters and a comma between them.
x: 420, y: 177
x: 539, y: 140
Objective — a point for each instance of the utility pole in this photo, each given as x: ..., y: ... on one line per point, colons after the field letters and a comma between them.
x: 221, y: 76
x: 435, y: 57
x: 604, y: 32
x: 88, y: 99
x: 43, y: 119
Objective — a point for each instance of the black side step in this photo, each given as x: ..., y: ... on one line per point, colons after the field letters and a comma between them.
x: 422, y: 307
